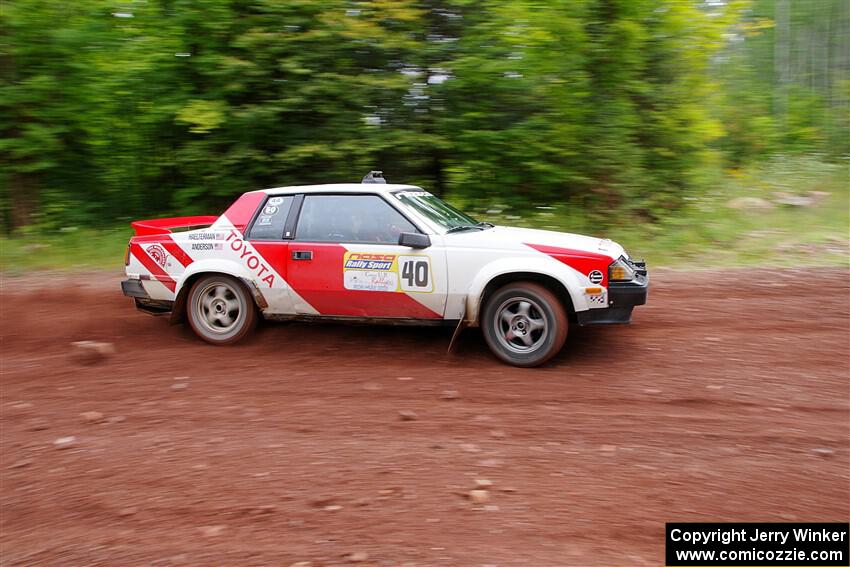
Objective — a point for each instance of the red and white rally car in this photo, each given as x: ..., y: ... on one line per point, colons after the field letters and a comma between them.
x: 378, y: 252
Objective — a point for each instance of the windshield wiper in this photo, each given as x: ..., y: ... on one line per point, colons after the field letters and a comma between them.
x: 464, y: 227
x: 485, y: 224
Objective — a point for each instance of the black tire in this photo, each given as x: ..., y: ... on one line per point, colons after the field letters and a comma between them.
x: 220, y: 310
x: 524, y: 324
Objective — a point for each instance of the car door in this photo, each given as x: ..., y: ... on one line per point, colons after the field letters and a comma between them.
x: 345, y: 261
x: 269, y: 234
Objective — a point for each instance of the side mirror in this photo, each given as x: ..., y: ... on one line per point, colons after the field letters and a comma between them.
x: 414, y: 240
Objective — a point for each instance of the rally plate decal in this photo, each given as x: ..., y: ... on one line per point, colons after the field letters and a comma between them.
x: 364, y: 271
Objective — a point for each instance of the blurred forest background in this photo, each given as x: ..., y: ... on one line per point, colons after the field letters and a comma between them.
x: 676, y: 125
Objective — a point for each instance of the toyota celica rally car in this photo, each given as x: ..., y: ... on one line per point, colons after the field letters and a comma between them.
x: 381, y: 253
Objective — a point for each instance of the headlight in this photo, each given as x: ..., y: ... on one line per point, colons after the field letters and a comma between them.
x: 620, y: 271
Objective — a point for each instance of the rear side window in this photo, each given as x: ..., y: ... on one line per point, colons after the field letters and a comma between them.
x: 270, y: 222
x: 350, y: 218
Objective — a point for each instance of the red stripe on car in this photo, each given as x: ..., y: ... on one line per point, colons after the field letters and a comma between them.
x: 242, y: 210
x: 274, y: 253
x: 174, y: 249
x: 151, y: 266
x: 581, y: 260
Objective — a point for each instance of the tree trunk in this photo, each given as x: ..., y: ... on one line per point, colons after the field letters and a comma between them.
x: 781, y: 58
x: 23, y: 199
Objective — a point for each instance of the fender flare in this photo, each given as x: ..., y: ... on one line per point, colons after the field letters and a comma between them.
x: 545, y: 266
x: 213, y: 266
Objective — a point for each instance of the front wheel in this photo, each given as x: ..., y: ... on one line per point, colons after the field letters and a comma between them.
x: 219, y: 310
x: 524, y: 324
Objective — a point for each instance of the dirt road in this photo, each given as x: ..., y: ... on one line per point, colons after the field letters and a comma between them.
x: 727, y: 399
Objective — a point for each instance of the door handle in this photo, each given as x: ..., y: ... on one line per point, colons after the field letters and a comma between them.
x: 302, y: 255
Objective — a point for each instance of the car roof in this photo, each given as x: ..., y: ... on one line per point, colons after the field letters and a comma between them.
x: 339, y: 188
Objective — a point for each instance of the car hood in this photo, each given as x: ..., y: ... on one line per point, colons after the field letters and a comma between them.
x: 511, y: 236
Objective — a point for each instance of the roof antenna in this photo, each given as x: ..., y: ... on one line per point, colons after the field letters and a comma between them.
x: 374, y: 177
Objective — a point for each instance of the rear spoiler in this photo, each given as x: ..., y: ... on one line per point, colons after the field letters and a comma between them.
x: 164, y: 226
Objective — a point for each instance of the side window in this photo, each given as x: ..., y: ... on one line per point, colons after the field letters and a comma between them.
x: 272, y: 218
x: 350, y: 218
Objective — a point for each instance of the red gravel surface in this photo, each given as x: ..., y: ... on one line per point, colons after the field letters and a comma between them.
x: 726, y: 400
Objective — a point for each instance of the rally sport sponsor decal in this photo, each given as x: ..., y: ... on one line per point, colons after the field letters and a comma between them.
x: 363, y: 271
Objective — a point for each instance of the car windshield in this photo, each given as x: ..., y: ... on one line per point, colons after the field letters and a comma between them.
x: 437, y: 210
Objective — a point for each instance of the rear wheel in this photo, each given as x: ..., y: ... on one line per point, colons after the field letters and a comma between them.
x: 524, y: 324
x: 219, y: 309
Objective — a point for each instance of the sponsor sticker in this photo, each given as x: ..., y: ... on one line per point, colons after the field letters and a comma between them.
x: 158, y: 253
x: 368, y: 271
x: 401, y: 194
x: 365, y: 280
x: 361, y: 261
x: 264, y: 220
x: 598, y: 300
x: 275, y: 201
x: 595, y: 277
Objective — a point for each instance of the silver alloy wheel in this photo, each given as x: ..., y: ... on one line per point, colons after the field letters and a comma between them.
x: 218, y: 307
x: 520, y: 325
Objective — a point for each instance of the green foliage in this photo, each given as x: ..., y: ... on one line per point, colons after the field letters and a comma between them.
x: 784, y: 80
x: 708, y: 231
x: 70, y: 248
x: 739, y: 221
x: 202, y: 116
x: 115, y: 111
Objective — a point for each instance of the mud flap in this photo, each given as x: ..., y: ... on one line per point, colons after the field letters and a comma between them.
x: 461, y: 325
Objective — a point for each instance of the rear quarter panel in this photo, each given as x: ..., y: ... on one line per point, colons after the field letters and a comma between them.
x: 166, y: 263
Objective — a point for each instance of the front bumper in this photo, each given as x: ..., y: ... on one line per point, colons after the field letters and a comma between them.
x: 622, y: 298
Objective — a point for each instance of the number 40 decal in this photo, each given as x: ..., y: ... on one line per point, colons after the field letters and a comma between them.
x: 415, y: 273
